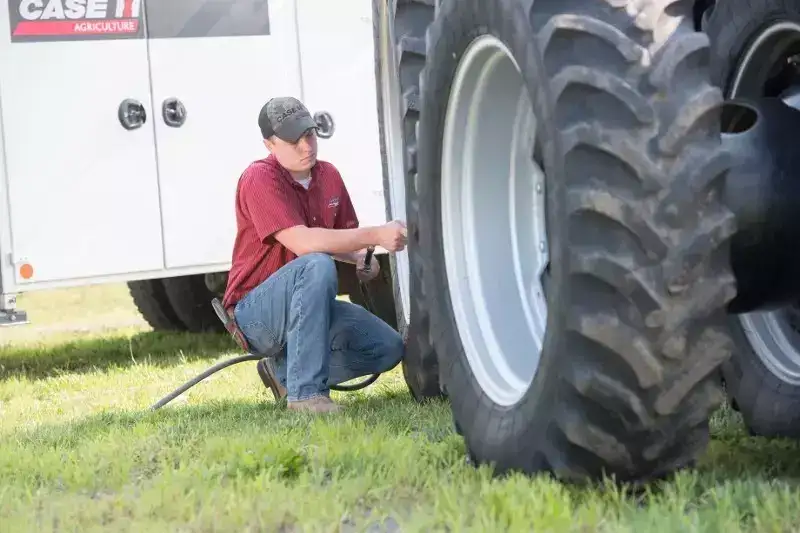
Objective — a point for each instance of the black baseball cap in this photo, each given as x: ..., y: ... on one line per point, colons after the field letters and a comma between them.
x: 285, y: 117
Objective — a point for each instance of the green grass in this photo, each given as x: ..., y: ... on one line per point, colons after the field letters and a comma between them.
x: 79, y: 451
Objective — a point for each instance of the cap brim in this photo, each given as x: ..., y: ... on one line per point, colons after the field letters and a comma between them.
x: 294, y: 127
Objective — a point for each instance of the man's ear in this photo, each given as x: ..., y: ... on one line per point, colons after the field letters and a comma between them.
x: 269, y: 143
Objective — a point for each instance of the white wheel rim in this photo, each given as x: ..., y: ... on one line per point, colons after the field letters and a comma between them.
x: 771, y: 336
x: 393, y: 130
x: 493, y: 221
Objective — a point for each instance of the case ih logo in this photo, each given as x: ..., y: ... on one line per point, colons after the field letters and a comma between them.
x: 49, y: 20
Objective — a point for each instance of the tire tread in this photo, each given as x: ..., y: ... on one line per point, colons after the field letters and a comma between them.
x: 675, y: 283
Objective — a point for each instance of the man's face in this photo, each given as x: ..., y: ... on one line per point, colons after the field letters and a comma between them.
x: 297, y: 157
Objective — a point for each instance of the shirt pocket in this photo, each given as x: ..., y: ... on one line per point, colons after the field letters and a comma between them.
x: 330, y: 210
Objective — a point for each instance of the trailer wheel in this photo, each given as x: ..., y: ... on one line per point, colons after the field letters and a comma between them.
x: 399, y: 29
x: 191, y: 298
x: 572, y: 245
x: 748, y: 40
x: 151, y: 300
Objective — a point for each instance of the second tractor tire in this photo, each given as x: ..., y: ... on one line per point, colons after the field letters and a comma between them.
x: 769, y: 400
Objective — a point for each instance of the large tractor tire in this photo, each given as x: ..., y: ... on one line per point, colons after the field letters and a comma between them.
x: 150, y: 299
x: 399, y: 29
x: 750, y: 43
x: 570, y: 237
x: 190, y: 298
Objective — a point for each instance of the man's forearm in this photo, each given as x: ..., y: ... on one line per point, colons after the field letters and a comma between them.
x: 345, y: 242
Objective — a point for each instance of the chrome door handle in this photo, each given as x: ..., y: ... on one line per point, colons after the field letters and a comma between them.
x: 131, y: 114
x: 174, y: 112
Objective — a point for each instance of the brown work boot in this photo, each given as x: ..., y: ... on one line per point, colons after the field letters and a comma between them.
x: 316, y: 405
x: 266, y: 370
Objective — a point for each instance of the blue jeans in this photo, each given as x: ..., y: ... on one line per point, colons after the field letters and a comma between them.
x: 317, y: 340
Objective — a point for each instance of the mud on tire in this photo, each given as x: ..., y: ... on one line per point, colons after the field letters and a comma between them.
x: 409, y: 20
x: 638, y: 275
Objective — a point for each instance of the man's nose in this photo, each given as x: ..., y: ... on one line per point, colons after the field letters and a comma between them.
x: 304, y: 145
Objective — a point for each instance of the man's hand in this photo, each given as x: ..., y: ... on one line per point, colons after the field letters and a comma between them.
x: 393, y: 236
x: 372, y: 273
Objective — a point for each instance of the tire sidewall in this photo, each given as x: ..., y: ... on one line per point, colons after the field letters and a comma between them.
x: 458, y: 24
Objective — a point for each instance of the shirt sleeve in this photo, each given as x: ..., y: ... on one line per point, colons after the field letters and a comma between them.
x: 269, y: 205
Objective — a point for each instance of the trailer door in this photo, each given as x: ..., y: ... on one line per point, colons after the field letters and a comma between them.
x: 78, y: 138
x: 213, y: 64
x: 338, y: 62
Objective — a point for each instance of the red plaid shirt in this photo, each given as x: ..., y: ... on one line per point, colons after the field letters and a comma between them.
x: 268, y: 199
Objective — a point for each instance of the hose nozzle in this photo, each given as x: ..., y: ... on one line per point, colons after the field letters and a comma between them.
x: 368, y: 259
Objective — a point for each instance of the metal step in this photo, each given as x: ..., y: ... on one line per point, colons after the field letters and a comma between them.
x: 13, y: 317
x: 9, y: 314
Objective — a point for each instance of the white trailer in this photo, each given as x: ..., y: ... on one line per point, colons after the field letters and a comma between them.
x: 125, y: 125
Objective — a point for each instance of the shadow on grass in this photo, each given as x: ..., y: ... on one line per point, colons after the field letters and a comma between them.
x: 731, y: 457
x: 735, y: 454
x: 164, y: 436
x: 732, y: 454
x: 752, y: 458
x: 392, y: 411
x: 86, y: 355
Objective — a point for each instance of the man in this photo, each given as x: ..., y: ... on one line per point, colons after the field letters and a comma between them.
x: 294, y: 216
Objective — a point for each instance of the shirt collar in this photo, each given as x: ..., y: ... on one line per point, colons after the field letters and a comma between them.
x: 272, y: 161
